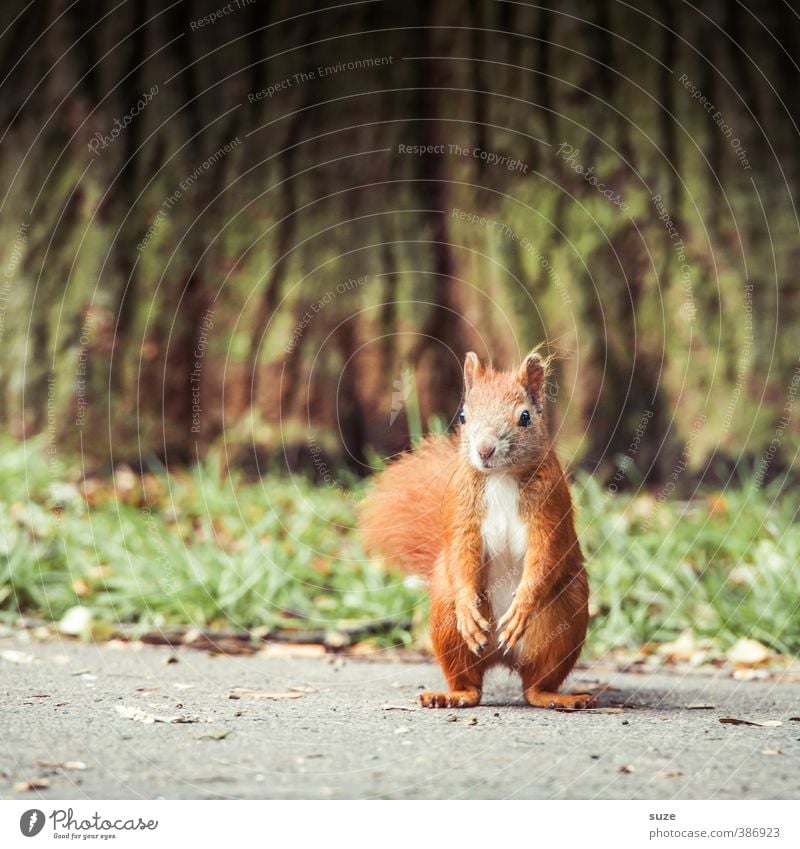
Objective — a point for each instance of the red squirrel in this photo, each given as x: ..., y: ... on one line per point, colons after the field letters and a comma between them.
x: 488, y: 518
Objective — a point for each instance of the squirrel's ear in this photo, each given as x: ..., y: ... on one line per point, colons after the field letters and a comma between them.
x: 532, y: 373
x: 472, y: 370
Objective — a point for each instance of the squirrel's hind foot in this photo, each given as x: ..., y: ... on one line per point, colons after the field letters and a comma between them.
x: 568, y: 701
x: 454, y: 699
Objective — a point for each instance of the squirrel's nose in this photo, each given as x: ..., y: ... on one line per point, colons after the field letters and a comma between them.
x: 485, y: 450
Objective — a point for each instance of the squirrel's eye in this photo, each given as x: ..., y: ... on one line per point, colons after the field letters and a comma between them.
x: 461, y: 417
x: 524, y: 419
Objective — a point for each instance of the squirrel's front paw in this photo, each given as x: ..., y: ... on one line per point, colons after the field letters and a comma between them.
x: 513, y: 623
x: 471, y: 625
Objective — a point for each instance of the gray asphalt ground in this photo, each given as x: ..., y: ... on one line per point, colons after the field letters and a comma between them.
x: 338, y: 739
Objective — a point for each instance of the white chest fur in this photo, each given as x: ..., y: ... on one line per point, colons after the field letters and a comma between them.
x: 504, y: 541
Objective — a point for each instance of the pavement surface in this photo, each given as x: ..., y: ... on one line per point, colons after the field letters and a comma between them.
x: 76, y: 723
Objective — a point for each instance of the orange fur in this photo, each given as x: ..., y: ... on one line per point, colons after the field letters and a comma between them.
x: 429, y: 513
x: 402, y: 519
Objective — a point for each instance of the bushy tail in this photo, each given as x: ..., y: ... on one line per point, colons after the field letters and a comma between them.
x: 401, y: 518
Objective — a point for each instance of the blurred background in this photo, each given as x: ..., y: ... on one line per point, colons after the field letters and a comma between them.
x: 245, y: 247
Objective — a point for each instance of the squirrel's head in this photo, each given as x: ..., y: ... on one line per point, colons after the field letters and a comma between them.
x: 502, y: 419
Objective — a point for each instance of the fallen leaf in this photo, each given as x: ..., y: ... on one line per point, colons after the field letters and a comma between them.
x: 732, y: 720
x: 396, y: 707
x: 138, y: 715
x: 303, y: 758
x: 13, y: 656
x: 700, y: 706
x: 626, y: 768
x: 245, y: 692
x: 451, y: 717
x: 32, y: 784
x: 79, y: 765
x: 748, y: 654
x: 293, y: 649
x: 213, y: 735
x: 669, y: 773
x: 473, y: 720
x: 76, y: 622
x: 680, y: 650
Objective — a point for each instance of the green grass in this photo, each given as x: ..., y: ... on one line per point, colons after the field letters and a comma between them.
x: 725, y: 565
x: 202, y: 548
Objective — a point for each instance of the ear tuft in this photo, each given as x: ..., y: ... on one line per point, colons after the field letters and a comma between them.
x: 472, y: 370
x: 532, y: 373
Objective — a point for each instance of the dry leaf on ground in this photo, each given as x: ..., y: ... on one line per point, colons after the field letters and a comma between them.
x: 246, y: 692
x: 61, y: 764
x: 293, y: 650
x: 732, y: 720
x: 32, y: 784
x: 138, y: 715
x: 213, y: 735
x: 748, y: 654
x: 13, y: 656
x: 679, y: 651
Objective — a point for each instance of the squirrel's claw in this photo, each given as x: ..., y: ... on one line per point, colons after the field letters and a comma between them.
x: 512, y: 626
x: 472, y: 627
